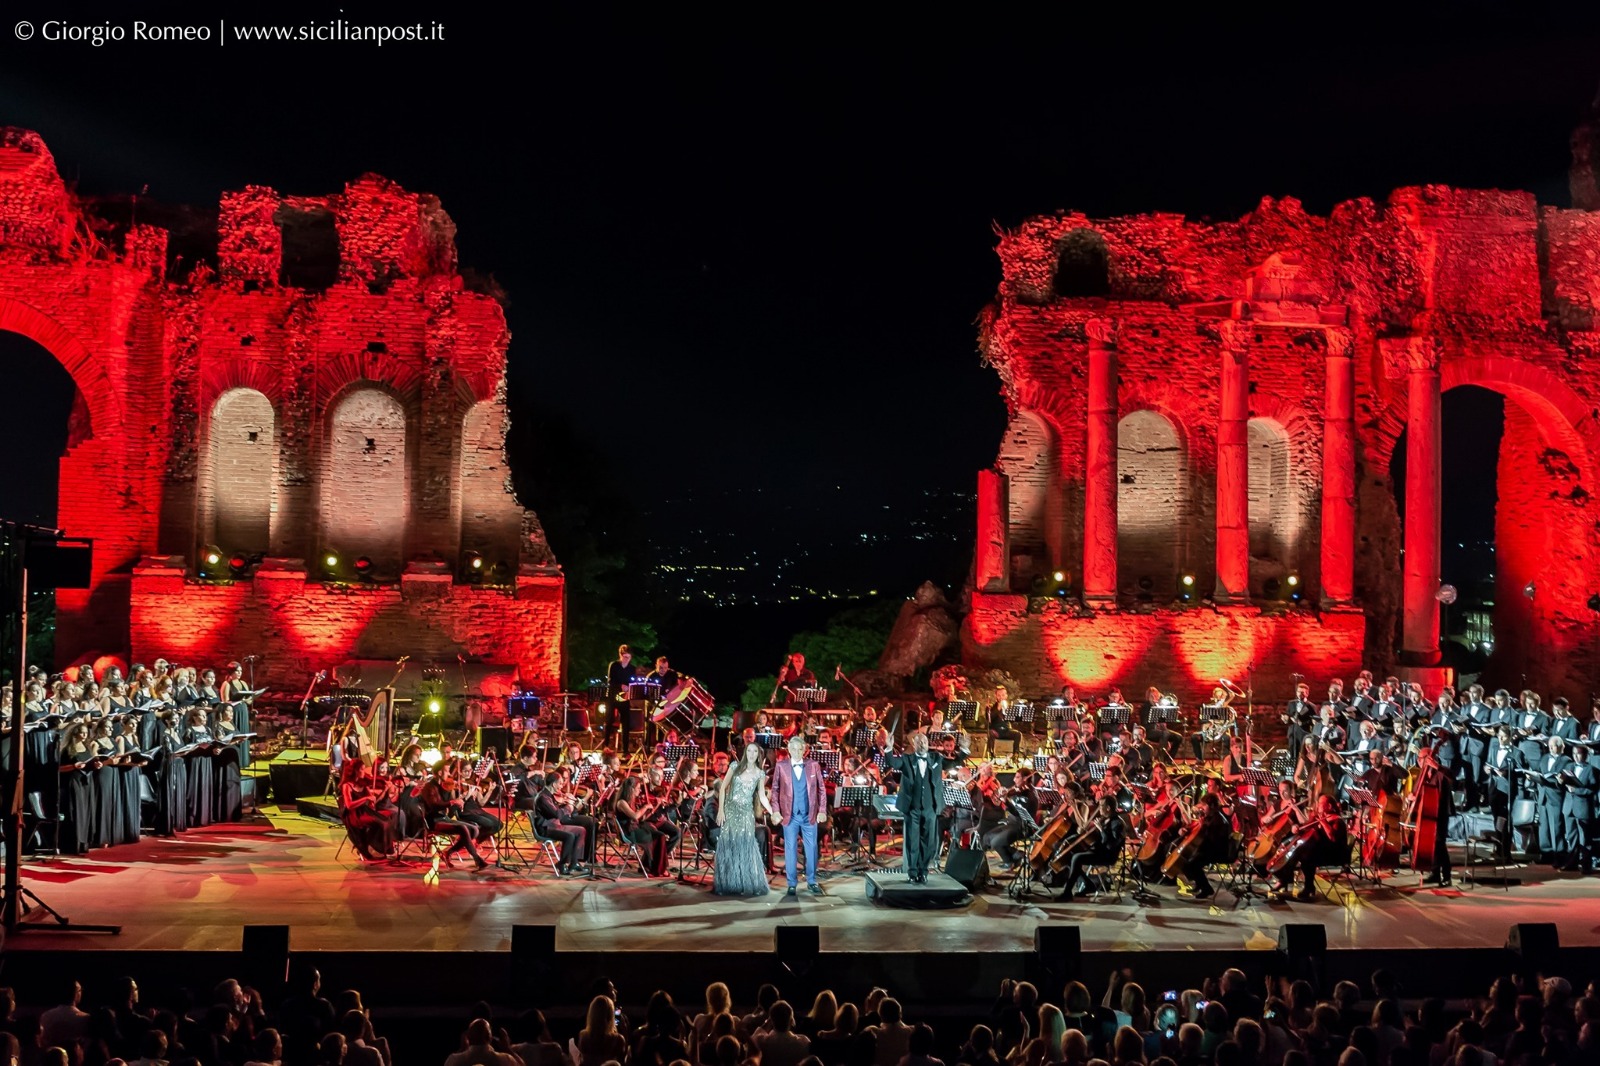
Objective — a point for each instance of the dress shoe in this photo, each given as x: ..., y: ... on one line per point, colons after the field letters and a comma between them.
x: 790, y: 894
x: 816, y: 889
x: 1306, y: 895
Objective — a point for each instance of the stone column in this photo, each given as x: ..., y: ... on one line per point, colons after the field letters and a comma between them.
x: 1419, y: 636
x: 1233, y: 471
x: 1100, y: 480
x: 1338, y: 472
x: 993, y: 564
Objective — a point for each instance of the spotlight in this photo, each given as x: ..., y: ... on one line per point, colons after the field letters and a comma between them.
x: 473, y: 566
x: 1294, y: 579
x: 1188, y: 581
x: 330, y: 561
x: 431, y: 756
x: 436, y: 706
x: 1146, y: 583
x: 212, y: 555
x: 1060, y: 576
x: 1528, y: 590
x: 363, y: 567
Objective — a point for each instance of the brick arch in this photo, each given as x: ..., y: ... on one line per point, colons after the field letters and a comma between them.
x: 102, y: 400
x: 239, y: 470
x: 222, y: 376
x: 1545, y: 529
x: 1153, y: 490
x: 366, y: 496
x: 1029, y: 458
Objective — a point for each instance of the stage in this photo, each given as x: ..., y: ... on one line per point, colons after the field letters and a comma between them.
x: 194, y: 893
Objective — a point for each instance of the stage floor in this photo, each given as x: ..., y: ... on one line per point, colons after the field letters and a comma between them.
x: 194, y: 893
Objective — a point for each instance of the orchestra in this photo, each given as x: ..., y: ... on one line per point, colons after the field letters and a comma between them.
x: 1063, y: 790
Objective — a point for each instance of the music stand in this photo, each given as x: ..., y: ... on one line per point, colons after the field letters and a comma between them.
x: 1020, y: 711
x: 770, y: 740
x: 1041, y: 761
x: 1160, y: 714
x: 858, y: 798
x: 828, y: 759
x: 1113, y: 716
x: 1058, y: 711
x: 676, y: 753
x: 960, y: 711
x: 861, y: 737
x: 1097, y: 771
x: 1255, y: 777
x: 935, y: 738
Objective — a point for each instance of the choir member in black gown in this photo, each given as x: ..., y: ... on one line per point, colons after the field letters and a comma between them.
x: 172, y: 776
x: 78, y: 793
x: 108, y: 788
x: 202, y: 788
x: 228, y: 806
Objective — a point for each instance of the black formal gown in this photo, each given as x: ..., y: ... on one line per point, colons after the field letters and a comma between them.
x: 227, y: 804
x: 108, y: 800
x: 78, y: 805
x: 202, y: 791
x: 172, y: 786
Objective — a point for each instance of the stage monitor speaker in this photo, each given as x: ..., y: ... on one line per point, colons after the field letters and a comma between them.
x: 266, y: 957
x: 1537, y: 943
x: 970, y: 866
x: 797, y: 946
x: 497, y: 737
x: 1303, y: 940
x: 533, y: 961
x: 1058, y: 949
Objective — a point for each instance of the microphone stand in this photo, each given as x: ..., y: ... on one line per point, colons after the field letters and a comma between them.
x: 305, y: 707
x: 839, y: 675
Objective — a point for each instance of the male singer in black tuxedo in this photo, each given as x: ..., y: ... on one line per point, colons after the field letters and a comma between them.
x: 920, y: 801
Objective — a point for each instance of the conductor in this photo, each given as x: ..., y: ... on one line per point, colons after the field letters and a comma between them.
x: 921, y: 798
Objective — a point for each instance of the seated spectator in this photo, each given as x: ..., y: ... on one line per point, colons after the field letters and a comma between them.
x: 780, y: 1045
x: 766, y: 996
x: 1127, y: 1047
x: 891, y: 1036
x: 268, y: 1050
x: 920, y: 1047
x: 832, y: 1044
x: 479, y: 1049
x: 979, y: 1048
x: 536, y: 1047
x: 718, y: 1001
x: 1218, y: 1027
x: 64, y: 1025
x: 661, y: 1041
x: 599, y: 1042
x: 823, y: 1011
x: 1237, y: 997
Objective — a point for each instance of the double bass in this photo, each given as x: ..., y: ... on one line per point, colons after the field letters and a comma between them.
x: 1186, y: 850
x: 1422, y: 809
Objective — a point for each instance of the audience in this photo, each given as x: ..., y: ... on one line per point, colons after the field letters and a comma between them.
x: 1550, y: 1021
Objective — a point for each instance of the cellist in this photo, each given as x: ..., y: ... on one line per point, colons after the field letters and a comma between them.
x: 1329, y: 843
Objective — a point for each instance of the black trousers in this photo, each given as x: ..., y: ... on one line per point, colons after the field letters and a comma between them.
x: 1081, y: 861
x: 922, y: 842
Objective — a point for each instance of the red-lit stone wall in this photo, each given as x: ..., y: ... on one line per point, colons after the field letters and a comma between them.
x: 348, y: 301
x: 1497, y: 290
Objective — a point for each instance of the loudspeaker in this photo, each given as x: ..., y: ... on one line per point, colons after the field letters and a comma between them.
x: 1536, y: 942
x: 1303, y: 941
x: 1058, y: 949
x: 533, y: 956
x: 970, y: 866
x: 797, y: 946
x: 266, y: 957
x: 497, y: 737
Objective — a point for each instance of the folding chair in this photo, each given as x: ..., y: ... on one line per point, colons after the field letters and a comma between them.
x: 621, y: 845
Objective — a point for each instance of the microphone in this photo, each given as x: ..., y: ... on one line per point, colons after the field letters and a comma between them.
x: 837, y: 672
x: 251, y: 659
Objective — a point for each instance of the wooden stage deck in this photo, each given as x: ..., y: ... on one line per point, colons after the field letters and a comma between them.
x: 194, y: 893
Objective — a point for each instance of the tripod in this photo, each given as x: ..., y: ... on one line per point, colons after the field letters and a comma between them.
x: 505, y: 842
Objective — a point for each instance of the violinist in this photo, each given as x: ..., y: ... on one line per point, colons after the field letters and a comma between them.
x: 476, y: 788
x: 442, y: 807
x: 371, y: 829
x: 987, y: 799
x: 1312, y: 776
x: 1001, y: 727
x: 1214, y: 836
x: 859, y: 773
x: 1103, y: 839
x: 1002, y: 839
x: 638, y: 813
x: 558, y: 823
x: 1329, y: 844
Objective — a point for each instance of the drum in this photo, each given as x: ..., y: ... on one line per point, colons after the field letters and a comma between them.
x: 575, y: 720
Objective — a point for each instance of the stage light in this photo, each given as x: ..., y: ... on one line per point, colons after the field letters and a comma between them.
x: 436, y: 706
x: 1060, y: 575
x: 1188, y: 581
x: 1528, y: 590
x: 239, y: 564
x: 363, y: 567
x: 431, y: 756
x: 1146, y: 583
x: 330, y: 561
x: 1294, y: 579
x: 1270, y: 586
x: 213, y: 555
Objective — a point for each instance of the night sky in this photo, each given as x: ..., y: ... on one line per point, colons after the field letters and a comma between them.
x: 754, y: 251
